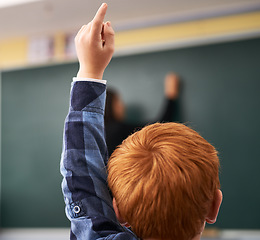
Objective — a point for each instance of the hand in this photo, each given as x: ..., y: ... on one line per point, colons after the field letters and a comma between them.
x: 171, y: 86
x: 95, y: 46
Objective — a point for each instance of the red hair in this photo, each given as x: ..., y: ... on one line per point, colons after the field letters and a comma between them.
x: 163, y: 178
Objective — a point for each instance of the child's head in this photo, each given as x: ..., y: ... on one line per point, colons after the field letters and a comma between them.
x: 164, y: 179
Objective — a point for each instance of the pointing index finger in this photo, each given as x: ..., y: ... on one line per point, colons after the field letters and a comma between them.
x: 99, y: 18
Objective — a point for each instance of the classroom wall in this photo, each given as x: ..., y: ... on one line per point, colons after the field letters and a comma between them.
x: 220, y: 99
x: 53, y: 48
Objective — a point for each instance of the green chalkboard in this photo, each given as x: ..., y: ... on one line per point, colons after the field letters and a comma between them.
x: 220, y: 98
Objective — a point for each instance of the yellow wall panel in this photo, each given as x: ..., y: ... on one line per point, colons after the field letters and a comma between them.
x: 195, y: 29
x: 13, y: 52
x: 59, y: 46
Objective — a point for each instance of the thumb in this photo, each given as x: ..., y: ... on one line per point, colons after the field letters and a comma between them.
x: 109, y: 36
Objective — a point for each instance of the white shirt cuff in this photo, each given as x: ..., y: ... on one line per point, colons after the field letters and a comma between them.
x: 75, y: 79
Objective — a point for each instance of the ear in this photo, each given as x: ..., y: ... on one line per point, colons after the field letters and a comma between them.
x: 118, y: 215
x: 214, y: 209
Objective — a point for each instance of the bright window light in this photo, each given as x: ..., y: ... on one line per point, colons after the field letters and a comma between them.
x: 8, y: 3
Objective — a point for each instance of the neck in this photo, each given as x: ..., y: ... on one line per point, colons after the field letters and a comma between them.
x: 195, y: 238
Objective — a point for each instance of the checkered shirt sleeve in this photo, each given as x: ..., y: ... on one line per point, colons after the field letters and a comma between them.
x: 83, y: 166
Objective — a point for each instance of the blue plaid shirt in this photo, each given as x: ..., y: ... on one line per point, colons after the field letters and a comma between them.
x: 83, y: 166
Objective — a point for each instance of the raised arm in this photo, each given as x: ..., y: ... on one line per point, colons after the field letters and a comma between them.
x: 86, y: 195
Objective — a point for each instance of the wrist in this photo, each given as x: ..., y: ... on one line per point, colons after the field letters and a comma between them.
x: 84, y: 73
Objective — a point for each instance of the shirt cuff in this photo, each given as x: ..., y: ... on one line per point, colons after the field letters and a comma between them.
x: 75, y: 79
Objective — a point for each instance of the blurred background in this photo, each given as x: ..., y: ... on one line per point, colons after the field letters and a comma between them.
x: 213, y: 46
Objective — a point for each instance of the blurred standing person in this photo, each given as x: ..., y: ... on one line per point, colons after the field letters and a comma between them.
x: 116, y: 127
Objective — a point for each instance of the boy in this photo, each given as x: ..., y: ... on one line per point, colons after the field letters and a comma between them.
x: 164, y: 178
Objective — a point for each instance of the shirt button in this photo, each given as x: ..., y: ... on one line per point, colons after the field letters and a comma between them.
x: 76, y: 209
